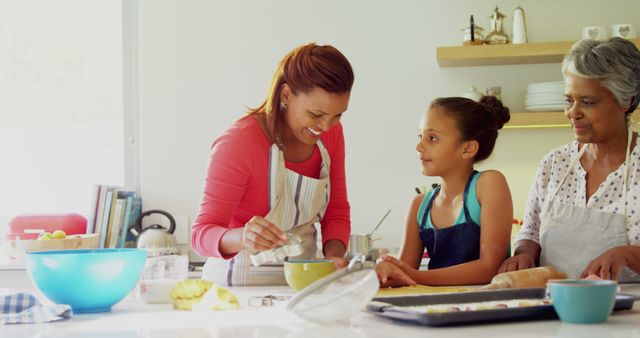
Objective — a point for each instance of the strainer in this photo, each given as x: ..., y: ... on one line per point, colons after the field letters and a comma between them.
x: 339, y: 295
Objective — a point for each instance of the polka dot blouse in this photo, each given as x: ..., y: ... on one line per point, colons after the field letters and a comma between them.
x: 607, y: 198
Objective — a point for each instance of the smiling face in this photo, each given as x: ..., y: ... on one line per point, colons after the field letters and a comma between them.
x: 441, y: 146
x: 308, y: 115
x: 594, y: 113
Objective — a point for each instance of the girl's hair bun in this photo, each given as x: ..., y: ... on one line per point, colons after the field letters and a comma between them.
x: 499, y: 112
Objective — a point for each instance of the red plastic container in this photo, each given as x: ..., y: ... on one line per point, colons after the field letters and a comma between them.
x: 30, y: 226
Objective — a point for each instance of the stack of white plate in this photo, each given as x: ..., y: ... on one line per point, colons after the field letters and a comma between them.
x: 545, y: 96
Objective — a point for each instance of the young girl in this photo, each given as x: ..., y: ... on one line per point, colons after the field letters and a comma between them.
x: 465, y: 224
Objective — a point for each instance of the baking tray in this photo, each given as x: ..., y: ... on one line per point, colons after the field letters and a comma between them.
x: 395, y: 307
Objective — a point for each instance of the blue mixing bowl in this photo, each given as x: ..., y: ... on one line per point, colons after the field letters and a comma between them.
x: 88, y: 280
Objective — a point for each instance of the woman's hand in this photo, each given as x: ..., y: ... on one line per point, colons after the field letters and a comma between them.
x: 260, y: 234
x: 391, y: 273
x: 339, y: 262
x: 608, y: 265
x: 334, y: 250
x: 517, y: 262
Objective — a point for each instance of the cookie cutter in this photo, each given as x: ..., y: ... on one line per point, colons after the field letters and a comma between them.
x: 268, y: 300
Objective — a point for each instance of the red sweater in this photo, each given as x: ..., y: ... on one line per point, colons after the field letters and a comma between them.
x: 236, y: 185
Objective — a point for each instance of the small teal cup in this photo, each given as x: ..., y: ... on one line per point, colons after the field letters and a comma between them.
x: 583, y: 301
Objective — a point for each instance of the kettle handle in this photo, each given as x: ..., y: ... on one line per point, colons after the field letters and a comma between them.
x: 138, y: 226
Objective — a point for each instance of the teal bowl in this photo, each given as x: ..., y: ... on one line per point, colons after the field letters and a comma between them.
x: 88, y: 280
x: 583, y: 301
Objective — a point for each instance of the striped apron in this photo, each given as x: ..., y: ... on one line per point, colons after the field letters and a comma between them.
x: 296, y: 202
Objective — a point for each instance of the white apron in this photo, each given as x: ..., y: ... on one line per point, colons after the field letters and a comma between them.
x: 573, y: 236
x: 296, y: 202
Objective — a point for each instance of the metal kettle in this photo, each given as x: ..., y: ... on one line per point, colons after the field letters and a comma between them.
x: 156, y: 239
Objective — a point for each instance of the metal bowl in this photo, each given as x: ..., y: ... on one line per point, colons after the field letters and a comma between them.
x: 361, y: 244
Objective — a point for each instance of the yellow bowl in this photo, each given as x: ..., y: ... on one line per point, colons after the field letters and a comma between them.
x: 301, y: 273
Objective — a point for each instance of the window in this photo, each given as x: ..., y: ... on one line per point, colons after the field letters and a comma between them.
x: 61, y: 104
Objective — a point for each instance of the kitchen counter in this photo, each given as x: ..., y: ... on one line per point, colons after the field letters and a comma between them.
x: 132, y: 318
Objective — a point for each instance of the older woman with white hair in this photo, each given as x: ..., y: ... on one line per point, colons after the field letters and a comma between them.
x: 583, y: 212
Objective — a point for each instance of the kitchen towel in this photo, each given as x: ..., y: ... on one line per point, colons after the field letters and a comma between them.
x: 22, y: 308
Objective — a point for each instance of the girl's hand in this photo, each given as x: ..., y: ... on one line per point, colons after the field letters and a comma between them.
x: 401, y: 264
x: 608, y: 265
x: 517, y: 262
x: 260, y: 234
x: 390, y: 274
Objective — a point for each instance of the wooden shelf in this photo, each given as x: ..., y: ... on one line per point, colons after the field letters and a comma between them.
x: 547, y: 120
x: 509, y: 54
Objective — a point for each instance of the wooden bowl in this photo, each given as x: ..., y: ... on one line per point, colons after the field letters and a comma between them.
x: 71, y: 242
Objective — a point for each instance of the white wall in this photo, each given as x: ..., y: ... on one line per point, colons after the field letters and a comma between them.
x: 203, y: 62
x: 61, y: 96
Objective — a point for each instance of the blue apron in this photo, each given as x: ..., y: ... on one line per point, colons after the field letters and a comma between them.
x: 452, y: 245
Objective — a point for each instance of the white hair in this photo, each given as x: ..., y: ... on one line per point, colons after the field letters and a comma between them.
x: 615, y: 63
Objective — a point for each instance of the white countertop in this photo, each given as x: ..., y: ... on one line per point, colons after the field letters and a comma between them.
x: 132, y: 318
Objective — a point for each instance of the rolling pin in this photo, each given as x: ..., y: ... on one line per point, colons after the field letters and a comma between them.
x: 528, y: 278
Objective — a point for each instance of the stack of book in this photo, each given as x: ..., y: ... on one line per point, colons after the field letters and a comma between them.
x: 113, y: 212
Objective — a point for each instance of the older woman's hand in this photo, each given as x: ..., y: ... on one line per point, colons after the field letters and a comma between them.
x: 517, y: 262
x: 608, y: 265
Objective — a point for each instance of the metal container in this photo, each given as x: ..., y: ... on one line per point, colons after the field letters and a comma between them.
x: 156, y: 239
x: 361, y: 244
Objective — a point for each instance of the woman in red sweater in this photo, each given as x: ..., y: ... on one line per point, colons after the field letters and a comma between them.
x: 278, y: 170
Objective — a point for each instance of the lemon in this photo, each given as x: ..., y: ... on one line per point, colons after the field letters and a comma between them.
x: 58, y: 234
x: 45, y: 236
